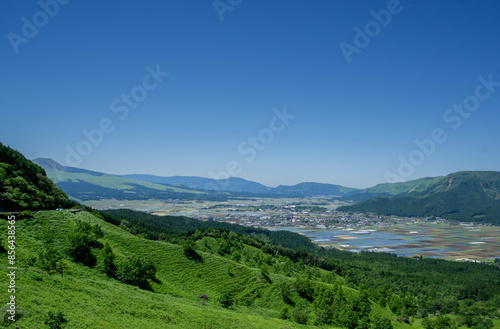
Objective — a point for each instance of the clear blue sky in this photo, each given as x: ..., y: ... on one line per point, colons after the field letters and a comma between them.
x: 354, y: 122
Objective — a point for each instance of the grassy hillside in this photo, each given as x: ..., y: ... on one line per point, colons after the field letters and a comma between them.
x: 410, y: 187
x: 90, y: 299
x: 393, y: 189
x: 128, y: 269
x: 464, y: 196
x: 247, y: 286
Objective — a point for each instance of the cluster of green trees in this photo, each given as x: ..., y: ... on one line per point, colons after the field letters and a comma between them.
x: 25, y: 186
x: 83, y: 241
x: 85, y: 248
x: 50, y: 257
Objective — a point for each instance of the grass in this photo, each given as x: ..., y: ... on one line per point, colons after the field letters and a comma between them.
x: 90, y: 299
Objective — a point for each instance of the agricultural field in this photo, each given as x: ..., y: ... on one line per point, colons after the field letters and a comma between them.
x: 441, y: 240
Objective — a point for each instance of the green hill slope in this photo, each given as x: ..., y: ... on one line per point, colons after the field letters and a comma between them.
x: 90, y: 299
x: 463, y: 196
x: 246, y: 286
x: 85, y: 185
x: 410, y: 187
x: 25, y: 186
x: 393, y: 189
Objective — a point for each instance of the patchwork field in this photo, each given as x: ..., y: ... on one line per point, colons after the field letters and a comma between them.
x: 456, y: 242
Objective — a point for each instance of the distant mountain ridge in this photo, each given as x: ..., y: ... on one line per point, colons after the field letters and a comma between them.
x: 311, y: 189
x: 82, y: 184
x: 464, y: 196
x: 67, y: 178
x: 236, y: 184
x: 48, y: 163
x: 394, y: 189
x: 231, y: 184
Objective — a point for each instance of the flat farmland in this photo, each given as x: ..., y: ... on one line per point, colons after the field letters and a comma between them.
x: 448, y: 241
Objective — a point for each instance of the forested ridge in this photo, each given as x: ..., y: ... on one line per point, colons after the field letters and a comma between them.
x: 462, y: 196
x: 25, y: 186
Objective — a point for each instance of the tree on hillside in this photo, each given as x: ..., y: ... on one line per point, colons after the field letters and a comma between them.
x: 81, y: 248
x: 136, y: 271
x: 226, y: 299
x: 55, y: 320
x: 82, y: 242
x: 48, y: 254
x: 106, y: 260
x: 61, y: 267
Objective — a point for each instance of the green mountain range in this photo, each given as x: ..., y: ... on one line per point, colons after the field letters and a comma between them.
x: 236, y: 184
x: 84, y: 185
x: 463, y: 196
x: 231, y: 184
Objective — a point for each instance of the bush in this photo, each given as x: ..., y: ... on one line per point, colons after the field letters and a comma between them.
x: 136, y: 271
x: 440, y: 322
x: 48, y: 259
x: 81, y: 249
x: 285, y: 313
x: 299, y: 314
x: 55, y: 320
x: 323, y: 316
x: 83, y: 240
x: 381, y: 323
x: 226, y: 299
x: 106, y: 261
x: 304, y: 288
